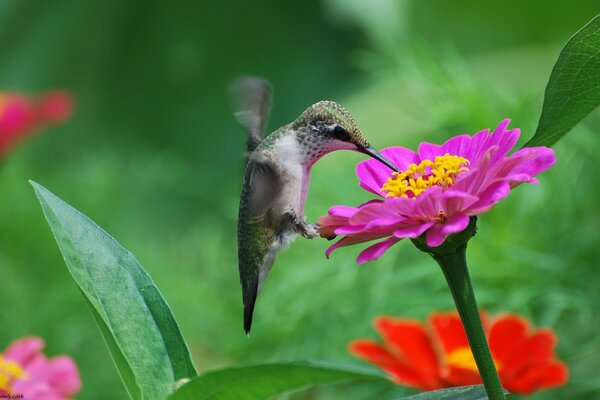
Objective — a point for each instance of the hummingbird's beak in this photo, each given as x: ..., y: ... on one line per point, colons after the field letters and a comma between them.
x: 372, y: 152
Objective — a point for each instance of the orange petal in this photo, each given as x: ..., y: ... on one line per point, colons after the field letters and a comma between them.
x: 507, y: 333
x: 557, y: 373
x: 410, y: 341
x: 541, y: 376
x: 534, y: 350
x: 455, y: 376
x: 448, y: 331
x: 381, y: 357
x: 372, y: 352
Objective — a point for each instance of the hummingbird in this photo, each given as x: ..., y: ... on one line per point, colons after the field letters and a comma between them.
x: 276, y: 179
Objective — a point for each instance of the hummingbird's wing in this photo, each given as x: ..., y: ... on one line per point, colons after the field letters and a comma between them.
x: 252, y: 104
x: 255, y: 234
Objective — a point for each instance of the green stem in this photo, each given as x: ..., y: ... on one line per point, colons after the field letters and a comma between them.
x: 454, y: 266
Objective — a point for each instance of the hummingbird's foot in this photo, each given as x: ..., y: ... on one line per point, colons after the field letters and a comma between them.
x: 310, y: 231
x: 302, y: 227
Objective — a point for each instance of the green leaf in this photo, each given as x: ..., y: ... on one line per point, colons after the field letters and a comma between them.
x: 457, y: 393
x: 573, y: 90
x: 127, y: 375
x: 264, y: 381
x: 137, y: 324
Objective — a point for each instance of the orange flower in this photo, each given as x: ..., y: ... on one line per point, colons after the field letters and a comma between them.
x: 437, y: 355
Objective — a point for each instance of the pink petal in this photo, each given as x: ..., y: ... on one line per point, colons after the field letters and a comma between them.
x: 24, y: 351
x: 63, y: 376
x: 56, y: 106
x: 378, y: 228
x: 413, y: 231
x: 434, y: 236
x: 35, y: 385
x: 384, y: 223
x: 457, y: 146
x: 350, y: 240
x: 327, y: 225
x: 373, y: 174
x: 55, y: 379
x: 517, y: 179
x: 18, y: 117
x: 32, y: 389
x: 428, y: 151
x: 501, y: 137
x: 481, y: 175
x: 534, y: 161
x: 338, y: 218
x: 454, y: 224
x: 490, y: 196
x: 342, y: 211
x: 407, y: 208
x: 349, y: 230
x: 501, y: 128
x: 435, y: 200
x: 477, y: 143
x: 504, y: 139
x: 374, y: 252
x: 456, y: 201
x: 401, y: 157
x: 328, y: 221
x: 375, y: 216
x: 337, y: 245
x: 369, y: 213
x: 427, y: 206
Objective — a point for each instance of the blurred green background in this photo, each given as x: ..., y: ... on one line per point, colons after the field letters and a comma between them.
x: 154, y: 156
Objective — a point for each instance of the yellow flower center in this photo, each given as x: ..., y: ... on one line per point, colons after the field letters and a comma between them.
x: 442, y: 171
x: 9, y: 370
x: 463, y: 358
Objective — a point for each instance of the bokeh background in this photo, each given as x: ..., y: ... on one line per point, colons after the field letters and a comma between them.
x: 155, y: 157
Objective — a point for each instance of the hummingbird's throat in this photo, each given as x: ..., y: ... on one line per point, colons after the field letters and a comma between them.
x: 417, y: 178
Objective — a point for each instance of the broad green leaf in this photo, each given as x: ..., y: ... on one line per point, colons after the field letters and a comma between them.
x: 264, y: 381
x: 137, y: 324
x: 125, y: 371
x: 457, y: 393
x: 573, y: 90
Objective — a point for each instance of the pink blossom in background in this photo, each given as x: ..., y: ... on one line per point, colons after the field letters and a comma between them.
x: 439, y: 189
x: 25, y: 370
x: 55, y: 106
x: 22, y: 115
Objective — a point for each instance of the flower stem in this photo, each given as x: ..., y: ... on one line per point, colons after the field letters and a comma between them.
x: 452, y: 258
x: 454, y: 266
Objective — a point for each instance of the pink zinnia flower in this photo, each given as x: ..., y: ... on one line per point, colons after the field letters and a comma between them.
x: 439, y: 189
x: 22, y: 115
x: 25, y: 370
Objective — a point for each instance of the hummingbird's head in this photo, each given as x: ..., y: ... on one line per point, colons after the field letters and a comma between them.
x: 327, y: 126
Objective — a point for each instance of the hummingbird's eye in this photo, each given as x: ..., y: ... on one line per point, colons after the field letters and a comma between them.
x: 340, y: 133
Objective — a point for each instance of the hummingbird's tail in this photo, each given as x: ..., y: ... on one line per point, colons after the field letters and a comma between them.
x: 249, y: 292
